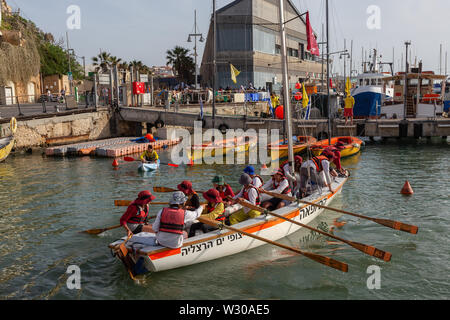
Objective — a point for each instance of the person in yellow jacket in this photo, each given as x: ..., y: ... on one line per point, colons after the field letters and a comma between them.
x: 348, y: 109
x: 150, y: 155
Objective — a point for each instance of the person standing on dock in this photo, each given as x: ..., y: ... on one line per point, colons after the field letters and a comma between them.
x: 348, y: 109
x: 248, y: 193
x: 150, y: 155
x: 170, y: 222
x: 134, y: 220
x: 193, y: 200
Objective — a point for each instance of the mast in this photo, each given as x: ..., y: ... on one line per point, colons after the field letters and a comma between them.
x: 214, y: 67
x: 287, y: 102
x: 328, y: 77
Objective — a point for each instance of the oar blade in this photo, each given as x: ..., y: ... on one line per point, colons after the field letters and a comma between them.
x: 129, y: 159
x: 341, y: 266
x: 371, y: 251
x: 163, y: 189
x: 94, y: 231
x: 397, y: 225
x: 122, y: 203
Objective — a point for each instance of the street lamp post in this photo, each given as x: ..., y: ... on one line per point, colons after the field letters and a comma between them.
x: 195, y: 35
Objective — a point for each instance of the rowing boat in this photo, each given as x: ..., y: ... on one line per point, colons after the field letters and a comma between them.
x: 351, y: 146
x: 149, y: 167
x: 280, y: 150
x: 222, y: 148
x: 222, y: 243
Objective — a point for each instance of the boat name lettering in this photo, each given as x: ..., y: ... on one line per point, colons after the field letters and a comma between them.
x: 233, y: 237
x: 309, y: 210
x: 196, y: 248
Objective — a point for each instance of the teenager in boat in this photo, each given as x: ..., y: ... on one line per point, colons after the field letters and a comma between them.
x: 277, y: 184
x: 293, y: 179
x: 224, y: 189
x: 193, y: 200
x: 214, y: 210
x: 170, y: 222
x: 150, y: 155
x: 248, y: 193
x: 257, y: 181
x: 134, y: 220
x: 336, y: 152
x: 317, y: 171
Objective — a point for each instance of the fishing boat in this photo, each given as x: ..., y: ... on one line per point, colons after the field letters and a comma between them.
x: 149, y: 167
x: 350, y: 146
x: 222, y: 148
x: 279, y: 150
x: 222, y: 243
x: 6, y: 144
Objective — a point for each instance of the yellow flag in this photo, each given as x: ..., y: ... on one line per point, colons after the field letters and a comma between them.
x: 305, y: 98
x: 348, y: 87
x: 234, y: 73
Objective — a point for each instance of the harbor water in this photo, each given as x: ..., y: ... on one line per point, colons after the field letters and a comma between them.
x: 46, y: 202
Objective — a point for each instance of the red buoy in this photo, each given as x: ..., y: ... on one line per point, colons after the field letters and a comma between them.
x: 407, y: 190
x: 115, y: 163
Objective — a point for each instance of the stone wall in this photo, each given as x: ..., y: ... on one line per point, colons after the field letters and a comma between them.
x: 35, y: 133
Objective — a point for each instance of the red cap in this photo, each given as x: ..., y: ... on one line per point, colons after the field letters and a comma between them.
x: 145, y: 197
x: 185, y: 187
x: 212, y: 196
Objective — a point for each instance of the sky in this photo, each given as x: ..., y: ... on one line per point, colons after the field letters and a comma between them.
x: 145, y: 29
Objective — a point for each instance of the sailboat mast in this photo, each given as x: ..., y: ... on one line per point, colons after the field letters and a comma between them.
x: 328, y: 76
x: 287, y: 102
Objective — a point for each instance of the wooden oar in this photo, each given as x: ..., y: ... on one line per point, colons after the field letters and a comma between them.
x: 165, y: 190
x: 130, y: 159
x: 122, y: 253
x: 318, y: 258
x: 397, y: 225
x: 98, y: 231
x: 370, y: 250
x: 126, y: 203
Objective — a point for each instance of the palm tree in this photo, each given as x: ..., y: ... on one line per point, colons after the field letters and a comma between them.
x: 102, y: 61
x: 182, y: 63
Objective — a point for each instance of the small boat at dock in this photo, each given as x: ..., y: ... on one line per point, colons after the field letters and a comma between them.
x: 222, y: 148
x: 350, y: 146
x: 279, y: 150
x: 7, y: 144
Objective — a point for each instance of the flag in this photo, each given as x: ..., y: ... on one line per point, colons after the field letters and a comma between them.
x: 348, y: 87
x: 312, y: 42
x: 305, y: 98
x: 234, y: 73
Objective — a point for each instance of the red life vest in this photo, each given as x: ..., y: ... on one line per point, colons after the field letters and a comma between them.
x: 172, y: 220
x: 246, y: 197
x: 276, y: 185
x: 225, y: 192
x: 140, y: 217
x: 221, y: 217
x: 318, y: 162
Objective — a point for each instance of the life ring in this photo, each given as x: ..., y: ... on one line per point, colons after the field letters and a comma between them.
x: 159, y: 124
x: 223, y: 128
x: 13, y: 125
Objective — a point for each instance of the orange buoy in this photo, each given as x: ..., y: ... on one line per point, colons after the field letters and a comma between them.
x: 115, y: 163
x: 407, y: 190
x: 264, y: 166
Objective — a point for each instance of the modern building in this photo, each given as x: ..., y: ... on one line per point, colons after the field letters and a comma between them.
x: 248, y: 36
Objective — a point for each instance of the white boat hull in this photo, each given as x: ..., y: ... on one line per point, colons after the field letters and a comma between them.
x: 423, y: 110
x: 222, y: 243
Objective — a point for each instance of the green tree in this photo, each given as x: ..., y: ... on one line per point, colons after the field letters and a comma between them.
x: 54, y: 60
x: 182, y: 63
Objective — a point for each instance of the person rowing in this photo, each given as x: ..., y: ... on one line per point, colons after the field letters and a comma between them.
x: 224, y: 189
x: 214, y: 210
x: 135, y: 218
x: 257, y: 181
x: 193, y: 200
x: 170, y: 222
x: 277, y: 184
x: 294, y: 178
x: 336, y: 152
x: 150, y: 155
x: 248, y: 193
x: 317, y: 171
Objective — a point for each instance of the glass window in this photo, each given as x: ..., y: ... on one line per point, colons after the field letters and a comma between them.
x: 373, y: 82
x: 380, y: 82
x: 277, y: 49
x: 367, y: 82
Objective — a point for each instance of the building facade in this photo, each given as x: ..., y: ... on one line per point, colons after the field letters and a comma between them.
x: 248, y: 36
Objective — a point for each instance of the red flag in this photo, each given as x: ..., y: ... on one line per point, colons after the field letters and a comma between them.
x: 331, y: 83
x: 312, y: 43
